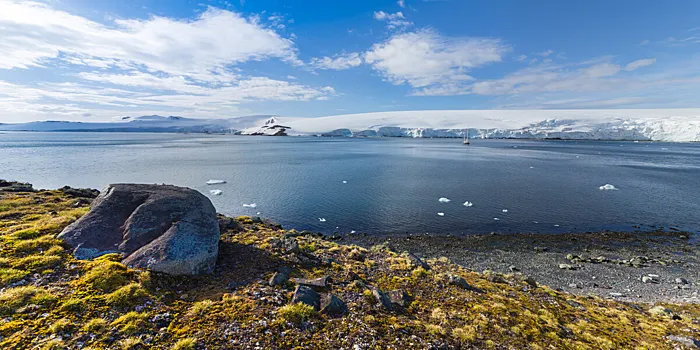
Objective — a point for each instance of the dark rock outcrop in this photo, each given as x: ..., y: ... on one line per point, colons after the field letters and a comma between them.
x: 164, y: 228
x: 13, y: 186
x: 308, y: 296
x: 332, y: 305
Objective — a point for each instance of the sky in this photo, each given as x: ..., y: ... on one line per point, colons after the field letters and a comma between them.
x: 86, y: 60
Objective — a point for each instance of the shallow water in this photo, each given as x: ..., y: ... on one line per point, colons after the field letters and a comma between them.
x: 393, y: 185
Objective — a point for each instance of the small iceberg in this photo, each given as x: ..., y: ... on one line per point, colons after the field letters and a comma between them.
x: 251, y: 205
x: 505, y: 210
x: 496, y: 219
x: 441, y: 214
x: 345, y: 182
x: 216, y: 192
x: 443, y: 200
x: 607, y: 187
x: 215, y: 182
x: 353, y: 231
x: 468, y: 204
x: 322, y: 219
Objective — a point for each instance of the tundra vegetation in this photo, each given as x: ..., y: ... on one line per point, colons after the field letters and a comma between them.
x: 49, y: 300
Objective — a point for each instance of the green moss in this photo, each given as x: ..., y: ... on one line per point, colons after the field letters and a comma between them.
x: 9, y: 275
x: 53, y: 344
x: 95, y: 325
x: 185, y: 344
x: 200, y: 308
x: 61, y: 326
x: 14, y: 298
x: 130, y: 322
x: 106, y: 276
x: 38, y: 262
x: 130, y: 294
x: 296, y: 313
x: 131, y: 343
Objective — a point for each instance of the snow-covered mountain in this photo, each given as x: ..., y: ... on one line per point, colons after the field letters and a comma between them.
x: 677, y: 125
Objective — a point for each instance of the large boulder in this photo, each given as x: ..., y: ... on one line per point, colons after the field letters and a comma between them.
x: 164, y: 228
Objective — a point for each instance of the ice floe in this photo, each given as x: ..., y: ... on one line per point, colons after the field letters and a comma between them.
x: 443, y: 200
x: 496, y: 219
x: 345, y: 182
x: 215, y: 182
x: 216, y: 192
x: 441, y: 214
x: 505, y: 210
x: 607, y: 187
x: 251, y: 205
x: 322, y: 219
x: 353, y: 231
x: 468, y: 204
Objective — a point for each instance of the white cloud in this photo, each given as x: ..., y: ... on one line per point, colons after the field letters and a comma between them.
x: 521, y: 58
x: 401, y: 3
x: 338, y: 62
x: 394, y: 20
x: 639, y: 64
x: 33, y: 33
x: 545, y: 53
x: 134, y: 66
x: 425, y: 59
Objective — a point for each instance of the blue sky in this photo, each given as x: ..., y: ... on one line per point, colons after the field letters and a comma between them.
x: 89, y: 60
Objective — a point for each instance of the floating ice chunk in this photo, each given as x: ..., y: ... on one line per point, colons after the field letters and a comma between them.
x: 505, y: 210
x: 215, y: 182
x: 532, y: 167
x: 345, y: 182
x: 441, y: 214
x: 352, y: 231
x: 443, y: 200
x: 556, y: 225
x: 322, y: 219
x: 608, y: 187
x: 496, y: 219
x: 468, y: 204
x: 216, y: 192
x: 664, y: 149
x: 251, y: 205
x: 537, y: 222
x: 258, y: 213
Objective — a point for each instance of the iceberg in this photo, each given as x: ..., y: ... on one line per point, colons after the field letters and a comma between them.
x: 251, y: 205
x: 607, y: 187
x: 441, y: 214
x: 468, y: 204
x: 322, y: 219
x: 505, y: 210
x: 215, y: 182
x: 216, y: 192
x: 443, y: 200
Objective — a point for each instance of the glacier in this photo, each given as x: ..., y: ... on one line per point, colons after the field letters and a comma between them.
x: 670, y: 125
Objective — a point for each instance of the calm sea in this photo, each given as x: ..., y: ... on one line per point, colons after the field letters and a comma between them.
x: 387, y: 185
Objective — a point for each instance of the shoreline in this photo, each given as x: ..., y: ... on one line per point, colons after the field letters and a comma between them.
x: 607, y: 264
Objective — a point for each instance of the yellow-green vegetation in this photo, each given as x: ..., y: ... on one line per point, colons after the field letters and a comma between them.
x: 296, y: 313
x: 102, y: 304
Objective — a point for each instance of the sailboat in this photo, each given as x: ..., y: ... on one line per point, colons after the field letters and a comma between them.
x: 466, y: 138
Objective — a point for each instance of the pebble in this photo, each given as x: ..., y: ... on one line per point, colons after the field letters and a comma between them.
x: 681, y: 280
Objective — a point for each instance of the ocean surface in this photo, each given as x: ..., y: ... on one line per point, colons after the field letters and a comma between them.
x: 387, y: 185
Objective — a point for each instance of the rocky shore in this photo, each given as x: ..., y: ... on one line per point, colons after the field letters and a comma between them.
x: 642, y: 267
x: 143, y: 286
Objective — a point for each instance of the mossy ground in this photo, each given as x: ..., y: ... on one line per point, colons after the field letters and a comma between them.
x: 50, y: 300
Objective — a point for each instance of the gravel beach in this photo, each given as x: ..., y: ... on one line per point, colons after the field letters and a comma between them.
x: 642, y: 267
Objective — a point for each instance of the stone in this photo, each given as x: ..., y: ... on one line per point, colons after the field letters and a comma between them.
x: 661, y: 311
x: 574, y: 285
x: 458, y: 281
x: 650, y: 279
x: 381, y: 298
x: 12, y: 186
x: 163, y: 228
x: 291, y: 246
x: 398, y: 297
x: 512, y: 268
x: 541, y: 249
x: 416, y: 261
x: 226, y: 223
x: 80, y: 202
x: 356, y: 254
x: 567, y: 267
x: 686, y: 341
x: 681, y: 280
x: 321, y: 282
x: 80, y: 192
x: 529, y: 280
x: 308, y: 296
x: 278, y: 279
x: 332, y: 305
